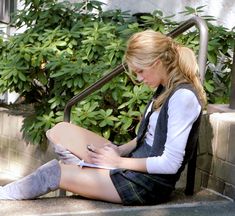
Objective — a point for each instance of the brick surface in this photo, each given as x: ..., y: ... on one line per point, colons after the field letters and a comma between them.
x: 205, y: 136
x: 16, y: 157
x: 198, y: 180
x: 229, y: 191
x: 3, y: 164
x: 9, y: 126
x: 219, y: 108
x: 204, y: 179
x: 204, y: 162
x: 1, y: 117
x: 231, y: 144
x: 221, y: 126
x: 219, y: 168
x: 224, y: 170
x: 4, y: 147
x: 230, y: 177
x: 214, y: 125
x: 216, y: 184
x: 182, y: 181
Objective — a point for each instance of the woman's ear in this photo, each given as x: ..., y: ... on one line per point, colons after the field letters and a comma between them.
x: 157, y: 63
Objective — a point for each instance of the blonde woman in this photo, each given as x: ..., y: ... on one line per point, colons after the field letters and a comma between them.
x: 146, y: 169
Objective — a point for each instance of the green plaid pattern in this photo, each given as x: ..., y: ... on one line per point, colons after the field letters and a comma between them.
x: 139, y: 189
x: 136, y: 188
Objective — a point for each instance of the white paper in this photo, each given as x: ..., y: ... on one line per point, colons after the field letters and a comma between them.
x: 82, y: 163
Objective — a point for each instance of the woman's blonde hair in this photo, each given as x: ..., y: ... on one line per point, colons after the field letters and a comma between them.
x: 144, y: 48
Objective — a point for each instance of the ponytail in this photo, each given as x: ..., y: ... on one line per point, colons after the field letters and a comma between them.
x: 189, y: 68
x: 181, y: 65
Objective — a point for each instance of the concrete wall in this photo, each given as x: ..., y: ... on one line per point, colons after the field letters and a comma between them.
x: 216, y: 153
x: 17, y: 158
x: 222, y: 10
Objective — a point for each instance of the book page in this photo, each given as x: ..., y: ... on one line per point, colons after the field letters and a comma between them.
x: 82, y: 163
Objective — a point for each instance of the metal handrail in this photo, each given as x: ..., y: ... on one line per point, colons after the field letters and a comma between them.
x: 202, y: 57
x: 203, y: 36
x: 95, y: 86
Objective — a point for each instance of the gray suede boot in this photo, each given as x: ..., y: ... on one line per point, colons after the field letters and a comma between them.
x: 45, y: 179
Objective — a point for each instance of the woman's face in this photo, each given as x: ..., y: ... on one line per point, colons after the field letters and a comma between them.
x: 152, y: 76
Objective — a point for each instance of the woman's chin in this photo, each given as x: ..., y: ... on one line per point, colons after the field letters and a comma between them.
x: 152, y: 86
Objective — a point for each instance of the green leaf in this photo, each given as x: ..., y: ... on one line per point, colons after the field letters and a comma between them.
x: 106, y: 133
x: 61, y: 43
x: 127, y: 124
x: 22, y: 76
x: 209, y: 87
x: 42, y: 78
x: 212, y: 57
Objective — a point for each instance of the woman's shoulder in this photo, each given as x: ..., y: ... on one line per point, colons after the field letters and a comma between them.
x: 184, y: 92
x: 184, y: 97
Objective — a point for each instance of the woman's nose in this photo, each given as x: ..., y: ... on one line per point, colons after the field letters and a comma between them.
x: 139, y: 78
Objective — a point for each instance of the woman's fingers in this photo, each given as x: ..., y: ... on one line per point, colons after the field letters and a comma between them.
x: 91, y: 148
x: 95, y: 157
x: 103, y: 156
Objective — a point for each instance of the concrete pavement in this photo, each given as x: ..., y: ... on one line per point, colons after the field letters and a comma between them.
x: 203, y: 203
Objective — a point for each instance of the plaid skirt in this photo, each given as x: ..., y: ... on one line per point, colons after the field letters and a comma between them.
x: 137, y: 188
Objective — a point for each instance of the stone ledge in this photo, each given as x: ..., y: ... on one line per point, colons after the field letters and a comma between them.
x: 221, y: 108
x: 72, y: 205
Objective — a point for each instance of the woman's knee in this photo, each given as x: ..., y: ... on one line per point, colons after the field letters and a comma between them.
x: 56, y: 130
x: 58, y: 127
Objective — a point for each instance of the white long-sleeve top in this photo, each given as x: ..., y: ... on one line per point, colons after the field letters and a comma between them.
x: 183, y: 110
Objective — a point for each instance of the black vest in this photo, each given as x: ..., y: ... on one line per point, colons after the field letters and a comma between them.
x: 161, y: 135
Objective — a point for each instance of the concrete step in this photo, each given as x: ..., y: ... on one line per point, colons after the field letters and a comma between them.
x: 205, y: 202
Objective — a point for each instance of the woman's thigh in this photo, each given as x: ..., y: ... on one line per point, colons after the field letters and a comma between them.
x: 88, y: 182
x: 75, y: 138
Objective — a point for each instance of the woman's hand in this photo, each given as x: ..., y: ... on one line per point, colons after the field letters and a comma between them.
x: 109, y: 156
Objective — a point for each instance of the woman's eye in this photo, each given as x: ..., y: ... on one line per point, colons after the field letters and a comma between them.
x: 139, y: 71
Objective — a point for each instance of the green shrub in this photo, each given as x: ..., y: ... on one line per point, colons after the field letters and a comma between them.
x: 67, y: 47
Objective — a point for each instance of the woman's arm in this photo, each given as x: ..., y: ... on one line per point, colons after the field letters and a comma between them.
x: 109, y: 156
x: 135, y: 164
x: 114, y: 156
x: 122, y: 150
x: 183, y: 110
x: 127, y: 148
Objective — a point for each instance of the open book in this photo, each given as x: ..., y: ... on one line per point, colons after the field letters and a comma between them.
x: 82, y: 163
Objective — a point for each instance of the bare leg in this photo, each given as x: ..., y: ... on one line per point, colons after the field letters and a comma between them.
x: 88, y: 182
x: 75, y: 138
